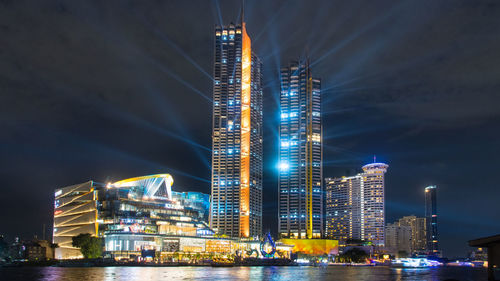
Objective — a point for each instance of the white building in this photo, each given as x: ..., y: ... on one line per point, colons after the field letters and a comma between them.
x: 355, y: 206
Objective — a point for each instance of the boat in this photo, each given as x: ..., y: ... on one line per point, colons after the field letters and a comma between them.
x: 414, y: 263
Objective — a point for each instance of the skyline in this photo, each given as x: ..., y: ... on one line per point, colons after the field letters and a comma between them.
x: 65, y: 128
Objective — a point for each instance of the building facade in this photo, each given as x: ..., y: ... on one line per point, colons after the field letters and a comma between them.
x: 398, y: 239
x: 431, y: 219
x: 75, y: 212
x: 132, y: 216
x: 300, y: 154
x: 197, y: 201
x: 418, y: 232
x: 355, y: 206
x: 236, y: 209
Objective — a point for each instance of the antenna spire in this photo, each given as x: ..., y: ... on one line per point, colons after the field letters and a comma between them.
x: 374, y: 158
x: 242, y: 11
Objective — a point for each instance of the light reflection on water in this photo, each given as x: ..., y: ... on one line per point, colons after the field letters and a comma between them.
x: 240, y: 273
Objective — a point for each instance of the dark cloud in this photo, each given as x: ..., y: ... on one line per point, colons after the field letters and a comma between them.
x: 114, y: 89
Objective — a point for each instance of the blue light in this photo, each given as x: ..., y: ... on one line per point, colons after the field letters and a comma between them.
x: 284, y: 166
x: 230, y: 151
x: 284, y: 115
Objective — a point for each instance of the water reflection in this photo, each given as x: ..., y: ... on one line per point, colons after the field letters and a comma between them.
x: 241, y: 273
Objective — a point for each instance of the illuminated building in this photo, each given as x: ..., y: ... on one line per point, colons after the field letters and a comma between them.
x: 132, y: 216
x: 398, y: 239
x: 418, y: 233
x: 355, y: 207
x: 236, y: 209
x: 194, y: 200
x: 431, y: 219
x: 75, y: 212
x: 300, y: 154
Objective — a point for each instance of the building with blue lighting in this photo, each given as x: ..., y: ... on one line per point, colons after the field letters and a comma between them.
x: 300, y: 154
x: 355, y: 206
x: 236, y: 209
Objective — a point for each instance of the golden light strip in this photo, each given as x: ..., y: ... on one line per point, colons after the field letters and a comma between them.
x: 309, y: 153
x: 246, y: 77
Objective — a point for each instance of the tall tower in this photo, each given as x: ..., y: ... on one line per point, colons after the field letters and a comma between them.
x: 355, y: 206
x: 236, y: 208
x: 300, y: 154
x: 431, y: 218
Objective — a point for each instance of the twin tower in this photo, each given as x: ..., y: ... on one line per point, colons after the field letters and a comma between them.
x: 237, y: 137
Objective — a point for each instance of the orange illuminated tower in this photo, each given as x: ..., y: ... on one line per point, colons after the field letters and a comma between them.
x: 236, y: 209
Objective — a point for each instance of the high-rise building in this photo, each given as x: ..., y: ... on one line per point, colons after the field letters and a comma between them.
x: 236, y: 208
x: 300, y: 154
x: 418, y: 233
x: 355, y: 207
x: 431, y: 219
x: 398, y: 239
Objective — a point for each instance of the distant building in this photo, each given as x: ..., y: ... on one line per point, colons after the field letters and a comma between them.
x: 418, y: 233
x: 398, y: 239
x: 300, y: 154
x: 236, y: 135
x: 431, y: 219
x: 355, y: 207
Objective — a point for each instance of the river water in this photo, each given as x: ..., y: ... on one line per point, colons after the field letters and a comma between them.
x: 295, y: 273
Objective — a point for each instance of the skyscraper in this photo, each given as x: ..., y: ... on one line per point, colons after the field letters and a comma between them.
x: 355, y: 206
x: 418, y: 233
x: 398, y: 239
x: 236, y: 208
x: 300, y: 154
x: 431, y: 218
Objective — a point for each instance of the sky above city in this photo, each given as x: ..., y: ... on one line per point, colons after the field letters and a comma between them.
x: 107, y: 90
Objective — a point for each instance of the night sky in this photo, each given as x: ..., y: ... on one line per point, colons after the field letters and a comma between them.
x: 107, y: 90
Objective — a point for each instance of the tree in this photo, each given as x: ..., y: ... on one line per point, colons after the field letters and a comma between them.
x: 354, y: 255
x: 402, y: 254
x: 91, y: 247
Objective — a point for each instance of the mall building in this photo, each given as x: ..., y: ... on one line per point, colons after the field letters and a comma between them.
x: 141, y: 218
x: 132, y: 216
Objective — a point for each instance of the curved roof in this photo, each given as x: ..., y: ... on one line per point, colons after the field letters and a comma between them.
x: 373, y: 166
x: 151, y: 183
